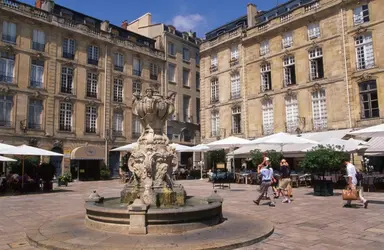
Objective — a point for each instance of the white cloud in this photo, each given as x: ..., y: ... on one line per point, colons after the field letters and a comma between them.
x: 187, y: 22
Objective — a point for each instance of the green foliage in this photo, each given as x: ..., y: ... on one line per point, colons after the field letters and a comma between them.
x: 65, y: 177
x: 215, y: 157
x: 30, y: 165
x: 47, y: 171
x: 105, y: 173
x: 322, y: 159
x: 274, y: 157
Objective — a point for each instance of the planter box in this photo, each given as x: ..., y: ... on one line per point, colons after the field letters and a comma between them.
x: 322, y: 187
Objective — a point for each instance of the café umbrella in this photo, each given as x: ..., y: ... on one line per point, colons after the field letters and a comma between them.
x: 25, y: 150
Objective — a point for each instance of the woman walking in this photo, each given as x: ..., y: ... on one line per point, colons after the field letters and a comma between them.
x: 285, y: 181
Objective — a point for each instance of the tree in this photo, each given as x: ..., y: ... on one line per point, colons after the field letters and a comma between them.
x: 274, y: 157
x: 215, y: 157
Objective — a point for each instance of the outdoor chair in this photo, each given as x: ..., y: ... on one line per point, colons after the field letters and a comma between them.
x: 295, y: 180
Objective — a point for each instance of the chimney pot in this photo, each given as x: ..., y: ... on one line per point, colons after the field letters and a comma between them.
x: 251, y: 13
x: 124, y: 24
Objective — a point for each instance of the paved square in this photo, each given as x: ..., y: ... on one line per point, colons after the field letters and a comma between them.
x: 308, y: 222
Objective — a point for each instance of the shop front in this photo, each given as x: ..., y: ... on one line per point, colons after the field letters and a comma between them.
x: 86, y: 162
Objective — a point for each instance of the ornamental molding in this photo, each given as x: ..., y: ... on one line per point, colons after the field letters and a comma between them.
x: 290, y: 94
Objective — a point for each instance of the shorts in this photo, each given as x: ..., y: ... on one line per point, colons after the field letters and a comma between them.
x: 284, y: 183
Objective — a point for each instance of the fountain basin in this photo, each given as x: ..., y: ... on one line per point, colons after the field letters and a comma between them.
x: 113, y: 216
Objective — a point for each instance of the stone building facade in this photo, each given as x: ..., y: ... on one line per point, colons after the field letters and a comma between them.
x: 302, y: 66
x: 67, y: 80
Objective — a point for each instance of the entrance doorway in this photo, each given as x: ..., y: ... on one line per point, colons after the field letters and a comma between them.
x: 57, y: 160
x: 114, y: 163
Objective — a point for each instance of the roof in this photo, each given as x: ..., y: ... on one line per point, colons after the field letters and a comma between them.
x: 241, y: 21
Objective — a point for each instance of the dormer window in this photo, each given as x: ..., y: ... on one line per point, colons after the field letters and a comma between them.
x: 89, y: 22
x: 219, y: 33
x: 66, y: 13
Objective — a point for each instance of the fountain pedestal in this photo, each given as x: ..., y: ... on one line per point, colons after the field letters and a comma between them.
x: 138, y: 219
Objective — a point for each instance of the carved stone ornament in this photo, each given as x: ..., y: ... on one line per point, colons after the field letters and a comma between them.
x: 33, y: 142
x: 286, y: 53
x: 58, y: 144
x: 316, y: 88
x: 5, y: 89
x: 92, y: 103
x: 361, y: 30
x: 236, y: 104
x: 67, y: 99
x: 234, y: 71
x: 155, y: 86
x: 8, y: 49
x: 69, y: 64
x: 39, y: 56
x: 120, y: 107
x: 366, y: 77
x: 37, y: 94
x: 266, y: 98
x: 290, y: 93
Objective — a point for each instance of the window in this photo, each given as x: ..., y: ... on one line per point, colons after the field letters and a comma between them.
x: 287, y: 40
x: 186, y: 110
x: 289, y: 70
x: 214, y: 61
x: 93, y: 55
x: 118, y: 119
x: 197, y: 80
x: 319, y: 110
x: 136, y: 87
x: 9, y: 32
x: 264, y: 48
x: 153, y: 71
x: 118, y: 62
x: 368, y: 99
x: 92, y: 84
x: 35, y: 111
x: 90, y: 119
x: 185, y: 77
x: 268, y: 118
x: 197, y: 59
x: 171, y: 49
x: 236, y: 120
x: 136, y: 67
x: 291, y: 114
x: 235, y: 53
x: 364, y: 51
x: 136, y: 126
x: 235, y: 86
x: 118, y: 90
x: 197, y: 110
x: 65, y: 119
x: 171, y: 72
x: 7, y: 66
x: 361, y: 15
x: 266, y: 77
x: 316, y: 63
x: 215, y: 90
x: 215, y: 119
x: 186, y: 54
x: 37, y: 74
x: 313, y: 30
x: 6, y: 104
x: 38, y: 41
x: 69, y: 46
x: 66, y: 80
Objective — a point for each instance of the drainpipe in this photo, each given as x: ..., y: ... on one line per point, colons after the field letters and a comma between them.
x: 346, y: 68
x: 245, y: 91
x: 106, y: 130
x: 165, y: 87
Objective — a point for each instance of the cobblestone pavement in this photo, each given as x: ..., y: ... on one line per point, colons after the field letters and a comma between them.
x: 308, y: 222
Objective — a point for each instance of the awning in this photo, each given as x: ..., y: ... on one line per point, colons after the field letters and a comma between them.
x: 376, y: 146
x: 87, y: 153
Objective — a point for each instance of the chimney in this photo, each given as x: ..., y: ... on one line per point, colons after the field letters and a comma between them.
x: 104, y: 26
x: 46, y: 5
x: 38, y: 4
x: 251, y: 14
x: 124, y: 24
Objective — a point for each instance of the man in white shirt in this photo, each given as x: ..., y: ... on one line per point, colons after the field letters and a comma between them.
x: 352, y: 183
x: 266, y: 182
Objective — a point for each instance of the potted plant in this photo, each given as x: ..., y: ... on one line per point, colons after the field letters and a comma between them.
x: 105, y: 173
x: 64, y: 179
x: 46, y: 172
x: 320, y: 161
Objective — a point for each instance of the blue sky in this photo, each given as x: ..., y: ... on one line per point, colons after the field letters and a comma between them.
x: 199, y: 15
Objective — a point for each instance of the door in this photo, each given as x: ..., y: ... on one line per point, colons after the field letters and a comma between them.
x: 114, y: 163
x: 57, y: 160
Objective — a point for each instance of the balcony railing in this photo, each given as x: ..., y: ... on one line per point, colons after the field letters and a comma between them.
x: 91, y: 94
x: 63, y: 127
x: 67, y: 90
x: 38, y: 46
x: 36, y: 84
x: 136, y: 72
x: 5, y: 123
x: 213, y: 69
x: 6, y: 79
x: 90, y: 130
x: 34, y: 126
x: 153, y: 77
x: 235, y: 96
x: 8, y: 38
x: 68, y: 55
x: 93, y: 61
x: 118, y: 68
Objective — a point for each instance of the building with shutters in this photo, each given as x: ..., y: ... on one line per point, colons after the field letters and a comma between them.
x: 306, y: 65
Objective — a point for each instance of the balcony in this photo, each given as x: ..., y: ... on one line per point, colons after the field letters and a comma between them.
x: 117, y: 133
x: 6, y: 79
x: 153, y: 77
x: 93, y: 61
x: 6, y: 124
x: 36, y: 84
x: 90, y: 130
x: 135, y: 135
x: 8, y: 39
x: 136, y: 72
x: 213, y: 68
x: 67, y: 128
x: 70, y: 56
x: 118, y: 68
x: 235, y: 96
x: 66, y: 90
x: 38, y: 46
x: 91, y: 94
x: 34, y: 126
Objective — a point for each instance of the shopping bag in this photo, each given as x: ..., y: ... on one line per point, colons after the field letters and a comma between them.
x: 350, y: 194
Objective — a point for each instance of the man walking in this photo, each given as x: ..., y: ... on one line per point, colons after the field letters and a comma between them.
x: 285, y: 180
x: 266, y: 182
x: 352, y: 182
